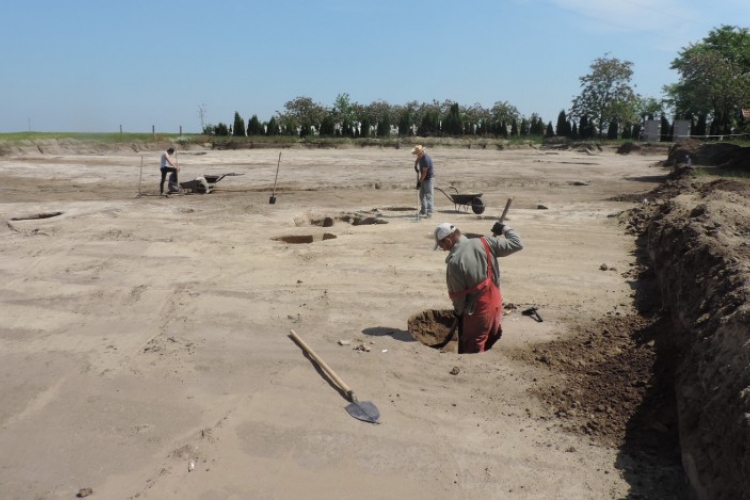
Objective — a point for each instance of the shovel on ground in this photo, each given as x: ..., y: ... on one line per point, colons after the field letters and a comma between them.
x: 272, y: 199
x: 361, y: 410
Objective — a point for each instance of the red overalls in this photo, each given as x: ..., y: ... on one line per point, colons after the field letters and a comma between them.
x: 482, y: 329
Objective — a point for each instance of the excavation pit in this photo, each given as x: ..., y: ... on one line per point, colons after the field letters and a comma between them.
x: 305, y: 238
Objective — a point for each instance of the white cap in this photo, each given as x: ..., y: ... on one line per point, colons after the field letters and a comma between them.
x: 442, y: 231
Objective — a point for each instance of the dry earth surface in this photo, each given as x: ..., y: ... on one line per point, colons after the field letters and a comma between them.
x: 144, y: 334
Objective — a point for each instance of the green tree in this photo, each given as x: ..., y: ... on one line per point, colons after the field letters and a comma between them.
x: 525, y: 128
x: 501, y: 114
x: 713, y: 85
x: 327, y: 126
x: 303, y: 113
x: 452, y: 123
x: 701, y: 127
x: 536, y: 126
x: 550, y: 132
x: 563, y: 125
x: 343, y: 110
x: 406, y: 118
x: 480, y: 119
x: 384, y: 126
x: 606, y: 94
x: 221, y: 129
x: 627, y: 132
x: 649, y: 107
x: 612, y: 130
x: 381, y: 116
x: 254, y: 127
x: 714, y: 77
x: 635, y: 132
x: 429, y: 125
x: 273, y: 126
x: 732, y: 42
x: 365, y: 126
x: 239, y: 125
x: 586, y: 129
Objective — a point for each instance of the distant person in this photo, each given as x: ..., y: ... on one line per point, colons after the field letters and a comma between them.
x: 169, y: 166
x: 426, y: 183
x: 473, y: 279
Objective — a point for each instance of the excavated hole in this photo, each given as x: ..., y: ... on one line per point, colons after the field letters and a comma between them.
x: 401, y: 209
x: 305, y: 238
x: 324, y: 222
x: 356, y: 220
x: 353, y: 219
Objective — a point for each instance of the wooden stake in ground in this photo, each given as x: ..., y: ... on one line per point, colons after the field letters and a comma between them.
x: 140, y: 175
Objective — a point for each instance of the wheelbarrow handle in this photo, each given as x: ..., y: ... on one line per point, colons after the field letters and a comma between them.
x: 329, y: 371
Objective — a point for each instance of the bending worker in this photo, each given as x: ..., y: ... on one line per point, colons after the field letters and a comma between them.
x: 426, y: 180
x: 473, y: 281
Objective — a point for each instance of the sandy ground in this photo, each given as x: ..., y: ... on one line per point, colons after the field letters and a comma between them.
x: 142, y: 333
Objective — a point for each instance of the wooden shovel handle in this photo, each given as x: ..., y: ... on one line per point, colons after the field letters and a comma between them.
x: 323, y: 365
x: 507, y: 207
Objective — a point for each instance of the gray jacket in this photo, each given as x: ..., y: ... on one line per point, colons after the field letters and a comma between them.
x: 467, y: 266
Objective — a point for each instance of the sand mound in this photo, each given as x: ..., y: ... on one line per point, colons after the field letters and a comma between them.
x: 723, y: 155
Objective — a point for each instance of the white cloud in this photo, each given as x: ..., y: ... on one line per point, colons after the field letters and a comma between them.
x: 639, y: 16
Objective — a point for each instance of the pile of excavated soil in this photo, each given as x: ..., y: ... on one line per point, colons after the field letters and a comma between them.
x: 432, y: 327
x: 722, y: 155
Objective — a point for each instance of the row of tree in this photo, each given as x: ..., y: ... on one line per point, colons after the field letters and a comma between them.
x: 712, y: 89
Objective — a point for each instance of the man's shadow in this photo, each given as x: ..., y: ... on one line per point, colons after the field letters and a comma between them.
x: 395, y: 333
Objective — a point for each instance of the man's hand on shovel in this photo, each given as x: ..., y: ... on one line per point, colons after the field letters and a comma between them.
x: 499, y: 227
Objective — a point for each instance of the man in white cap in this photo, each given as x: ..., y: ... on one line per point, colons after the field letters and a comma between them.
x: 426, y: 182
x: 473, y: 280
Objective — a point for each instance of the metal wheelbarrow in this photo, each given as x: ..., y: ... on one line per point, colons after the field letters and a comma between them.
x: 204, y: 184
x: 466, y: 200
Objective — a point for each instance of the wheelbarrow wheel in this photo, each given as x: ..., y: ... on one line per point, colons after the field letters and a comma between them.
x: 477, y: 206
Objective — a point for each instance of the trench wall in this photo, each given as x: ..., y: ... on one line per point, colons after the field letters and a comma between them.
x: 701, y: 261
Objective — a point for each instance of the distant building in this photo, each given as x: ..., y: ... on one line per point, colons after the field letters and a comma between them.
x: 652, y: 130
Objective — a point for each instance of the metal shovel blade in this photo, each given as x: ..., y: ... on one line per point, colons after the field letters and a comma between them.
x: 272, y: 200
x: 364, y: 410
x: 361, y: 410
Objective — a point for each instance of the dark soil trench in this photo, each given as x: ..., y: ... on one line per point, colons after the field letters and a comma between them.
x: 670, y: 385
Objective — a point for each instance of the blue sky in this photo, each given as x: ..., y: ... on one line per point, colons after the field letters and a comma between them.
x: 96, y: 65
